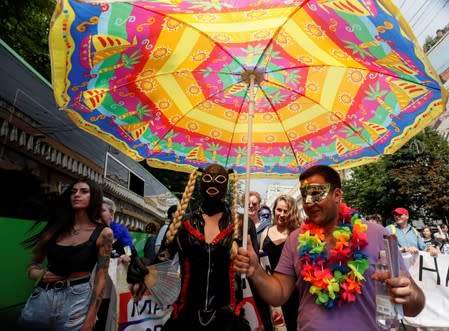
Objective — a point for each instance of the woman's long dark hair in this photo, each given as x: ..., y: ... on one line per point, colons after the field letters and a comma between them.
x: 62, y: 216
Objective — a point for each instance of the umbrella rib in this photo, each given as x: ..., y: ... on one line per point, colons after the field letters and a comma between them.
x: 143, y: 77
x: 191, y: 109
x: 281, y: 123
x: 196, y: 29
x: 277, y: 32
x: 356, y: 68
x: 235, y: 124
x: 266, y: 54
x: 328, y: 110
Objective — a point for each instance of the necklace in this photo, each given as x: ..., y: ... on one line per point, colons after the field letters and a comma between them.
x: 335, y: 278
x: 77, y: 231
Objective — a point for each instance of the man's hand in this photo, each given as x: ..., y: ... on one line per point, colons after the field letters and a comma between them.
x: 403, y: 290
x: 411, y: 250
x: 247, y: 260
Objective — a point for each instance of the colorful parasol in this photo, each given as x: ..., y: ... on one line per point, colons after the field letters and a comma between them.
x: 336, y: 82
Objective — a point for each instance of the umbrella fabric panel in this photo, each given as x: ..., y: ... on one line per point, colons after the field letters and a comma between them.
x: 338, y: 82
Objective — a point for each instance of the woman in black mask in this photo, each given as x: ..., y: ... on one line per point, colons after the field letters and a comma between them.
x: 206, y: 242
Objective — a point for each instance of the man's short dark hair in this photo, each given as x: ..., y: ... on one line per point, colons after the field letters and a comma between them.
x: 329, y: 174
x: 265, y: 207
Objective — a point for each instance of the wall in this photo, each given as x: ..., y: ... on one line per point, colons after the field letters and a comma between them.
x: 15, y: 286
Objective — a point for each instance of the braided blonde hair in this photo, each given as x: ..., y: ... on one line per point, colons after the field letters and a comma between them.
x: 175, y: 225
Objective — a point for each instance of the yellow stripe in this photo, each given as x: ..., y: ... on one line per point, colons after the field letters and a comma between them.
x: 176, y: 93
x: 168, y: 82
x: 58, y: 52
x: 309, y: 45
x: 331, y: 85
x: 206, y: 118
x: 183, y: 49
x: 230, y: 126
x: 304, y: 116
x: 246, y: 26
x: 240, y: 16
x: 262, y: 128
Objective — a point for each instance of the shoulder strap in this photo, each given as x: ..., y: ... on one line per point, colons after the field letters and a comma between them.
x: 263, y: 235
x: 96, y: 232
x: 392, y: 228
x: 416, y: 231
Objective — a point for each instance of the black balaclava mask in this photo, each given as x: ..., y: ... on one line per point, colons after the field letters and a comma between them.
x: 214, y: 186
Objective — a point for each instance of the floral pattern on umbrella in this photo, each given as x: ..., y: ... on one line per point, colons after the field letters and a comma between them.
x: 339, y: 82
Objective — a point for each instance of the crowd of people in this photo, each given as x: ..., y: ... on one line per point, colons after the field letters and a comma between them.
x: 301, y: 271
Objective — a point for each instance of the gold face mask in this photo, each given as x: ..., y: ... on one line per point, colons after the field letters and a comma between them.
x: 313, y: 193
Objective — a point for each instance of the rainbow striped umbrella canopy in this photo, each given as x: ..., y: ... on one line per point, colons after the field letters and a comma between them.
x: 336, y: 82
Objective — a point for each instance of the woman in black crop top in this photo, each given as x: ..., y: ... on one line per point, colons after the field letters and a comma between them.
x: 72, y: 242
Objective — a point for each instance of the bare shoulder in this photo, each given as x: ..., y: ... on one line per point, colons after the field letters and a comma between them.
x: 106, y: 231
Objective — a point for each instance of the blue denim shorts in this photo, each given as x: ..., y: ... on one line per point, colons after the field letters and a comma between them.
x: 56, y: 309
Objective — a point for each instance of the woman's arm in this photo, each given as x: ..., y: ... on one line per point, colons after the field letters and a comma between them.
x: 104, y: 244
x: 36, y: 269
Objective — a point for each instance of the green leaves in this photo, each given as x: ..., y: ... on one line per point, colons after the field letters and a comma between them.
x: 24, y: 28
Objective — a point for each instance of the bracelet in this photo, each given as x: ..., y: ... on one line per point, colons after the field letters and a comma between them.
x: 41, y: 275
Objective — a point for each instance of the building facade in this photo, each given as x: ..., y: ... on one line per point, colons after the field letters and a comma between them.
x: 38, y: 141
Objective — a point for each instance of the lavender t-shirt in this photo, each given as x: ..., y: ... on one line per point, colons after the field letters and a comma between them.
x: 358, y: 315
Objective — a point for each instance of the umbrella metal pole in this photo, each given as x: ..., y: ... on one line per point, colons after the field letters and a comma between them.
x: 251, y: 105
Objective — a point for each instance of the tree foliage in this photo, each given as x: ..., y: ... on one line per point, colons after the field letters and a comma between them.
x: 415, y: 177
x: 25, y: 26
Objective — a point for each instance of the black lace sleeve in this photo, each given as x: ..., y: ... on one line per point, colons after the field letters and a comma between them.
x: 169, y: 250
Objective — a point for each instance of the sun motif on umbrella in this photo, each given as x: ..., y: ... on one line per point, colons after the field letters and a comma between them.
x: 181, y: 83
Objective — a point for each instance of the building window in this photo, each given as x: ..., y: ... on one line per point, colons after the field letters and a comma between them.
x: 136, y: 184
x: 121, y: 174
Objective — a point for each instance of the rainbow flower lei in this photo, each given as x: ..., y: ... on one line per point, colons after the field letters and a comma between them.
x: 335, y: 278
